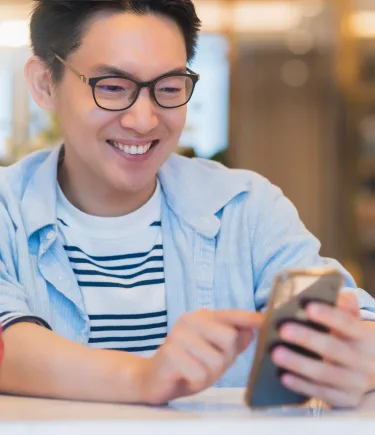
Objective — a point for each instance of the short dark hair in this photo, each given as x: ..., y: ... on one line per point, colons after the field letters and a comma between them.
x: 58, y: 26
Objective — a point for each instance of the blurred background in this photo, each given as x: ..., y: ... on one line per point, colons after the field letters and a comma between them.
x: 287, y: 90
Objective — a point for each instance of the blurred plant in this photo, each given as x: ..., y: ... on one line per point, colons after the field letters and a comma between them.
x: 46, y: 138
x: 51, y: 134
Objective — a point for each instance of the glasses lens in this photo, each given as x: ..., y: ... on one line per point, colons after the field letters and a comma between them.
x: 115, y: 93
x: 174, y: 91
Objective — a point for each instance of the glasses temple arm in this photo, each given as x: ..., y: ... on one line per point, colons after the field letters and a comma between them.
x: 72, y: 69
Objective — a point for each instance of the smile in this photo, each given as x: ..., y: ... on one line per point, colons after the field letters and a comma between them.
x: 132, y: 149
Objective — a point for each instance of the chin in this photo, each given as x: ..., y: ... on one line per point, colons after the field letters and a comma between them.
x: 132, y: 186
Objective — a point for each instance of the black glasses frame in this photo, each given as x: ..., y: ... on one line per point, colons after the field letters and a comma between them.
x: 92, y: 82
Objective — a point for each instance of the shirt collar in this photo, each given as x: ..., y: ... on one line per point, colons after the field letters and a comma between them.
x: 196, y: 190
x: 38, y: 206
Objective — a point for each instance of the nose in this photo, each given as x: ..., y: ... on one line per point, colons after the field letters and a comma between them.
x: 142, y: 116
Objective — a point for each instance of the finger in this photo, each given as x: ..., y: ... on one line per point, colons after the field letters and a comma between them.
x: 242, y: 319
x: 244, y: 340
x: 186, y: 368
x: 336, y: 320
x: 325, y: 345
x: 320, y: 372
x: 348, y: 302
x: 223, y: 337
x: 215, y: 362
x: 334, y: 397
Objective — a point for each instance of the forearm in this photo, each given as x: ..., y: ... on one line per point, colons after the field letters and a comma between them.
x: 37, y: 362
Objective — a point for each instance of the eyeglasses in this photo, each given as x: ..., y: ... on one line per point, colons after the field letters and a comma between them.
x: 116, y: 93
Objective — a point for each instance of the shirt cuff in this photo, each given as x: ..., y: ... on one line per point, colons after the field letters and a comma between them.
x: 367, y: 315
x: 8, y: 319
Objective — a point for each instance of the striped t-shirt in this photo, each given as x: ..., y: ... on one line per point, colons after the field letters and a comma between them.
x: 118, y: 263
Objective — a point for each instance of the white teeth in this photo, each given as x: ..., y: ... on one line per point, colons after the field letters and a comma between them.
x: 133, y: 149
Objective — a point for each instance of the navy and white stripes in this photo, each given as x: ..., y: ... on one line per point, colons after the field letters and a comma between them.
x: 132, y: 333
x: 119, y: 266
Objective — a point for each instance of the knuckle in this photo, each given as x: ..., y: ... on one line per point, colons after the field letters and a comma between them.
x: 354, y: 400
x: 327, y: 347
x: 321, y: 372
x: 230, y: 338
x: 218, y: 364
x: 198, y: 379
x: 358, y: 384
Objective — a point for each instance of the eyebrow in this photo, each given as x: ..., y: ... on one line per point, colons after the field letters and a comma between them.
x: 114, y: 71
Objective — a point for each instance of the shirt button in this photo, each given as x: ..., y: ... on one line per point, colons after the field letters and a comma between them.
x: 50, y: 235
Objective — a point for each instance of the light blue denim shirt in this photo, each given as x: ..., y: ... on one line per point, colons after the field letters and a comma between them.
x: 226, y: 234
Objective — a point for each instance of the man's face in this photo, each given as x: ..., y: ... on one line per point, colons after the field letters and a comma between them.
x: 146, y: 47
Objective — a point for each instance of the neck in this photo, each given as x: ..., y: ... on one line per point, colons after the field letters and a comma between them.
x: 93, y: 197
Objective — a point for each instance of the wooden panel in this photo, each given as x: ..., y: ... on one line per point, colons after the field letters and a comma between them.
x: 290, y: 134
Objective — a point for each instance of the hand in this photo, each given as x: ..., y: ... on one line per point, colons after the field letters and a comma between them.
x: 198, y: 351
x: 347, y: 371
x: 1, y: 347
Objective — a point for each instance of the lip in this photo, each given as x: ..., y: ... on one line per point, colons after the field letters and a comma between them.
x: 135, y: 142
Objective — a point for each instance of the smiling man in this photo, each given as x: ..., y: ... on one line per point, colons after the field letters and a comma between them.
x: 128, y: 273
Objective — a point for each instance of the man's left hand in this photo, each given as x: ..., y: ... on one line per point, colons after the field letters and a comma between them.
x: 347, y: 371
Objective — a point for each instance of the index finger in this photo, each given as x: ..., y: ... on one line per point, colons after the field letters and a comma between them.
x: 242, y: 319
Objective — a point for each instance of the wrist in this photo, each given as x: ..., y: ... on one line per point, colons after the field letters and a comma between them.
x: 134, y: 375
x: 126, y: 377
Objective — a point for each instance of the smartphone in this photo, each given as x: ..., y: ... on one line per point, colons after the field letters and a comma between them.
x: 292, y: 291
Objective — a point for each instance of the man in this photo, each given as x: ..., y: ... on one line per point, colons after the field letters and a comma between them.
x: 129, y: 273
x: 1, y: 347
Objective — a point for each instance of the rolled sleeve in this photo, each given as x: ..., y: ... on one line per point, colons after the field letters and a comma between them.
x: 13, y: 302
x: 280, y: 241
x: 368, y: 315
x: 8, y: 319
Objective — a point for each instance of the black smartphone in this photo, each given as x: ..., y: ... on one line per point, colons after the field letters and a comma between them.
x: 292, y: 291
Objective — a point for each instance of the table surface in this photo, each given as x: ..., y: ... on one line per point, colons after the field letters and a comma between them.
x: 215, y: 411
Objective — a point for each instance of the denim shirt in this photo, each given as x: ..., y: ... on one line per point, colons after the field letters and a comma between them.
x: 226, y: 234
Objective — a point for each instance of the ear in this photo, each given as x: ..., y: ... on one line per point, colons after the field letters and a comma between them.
x: 40, y: 83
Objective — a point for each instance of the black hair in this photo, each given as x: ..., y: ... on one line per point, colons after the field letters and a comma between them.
x: 58, y: 26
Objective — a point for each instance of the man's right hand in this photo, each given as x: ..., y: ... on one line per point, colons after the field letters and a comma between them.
x: 196, y: 354
x: 1, y: 347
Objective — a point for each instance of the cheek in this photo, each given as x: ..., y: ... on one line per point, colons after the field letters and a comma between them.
x: 81, y: 116
x: 175, y: 121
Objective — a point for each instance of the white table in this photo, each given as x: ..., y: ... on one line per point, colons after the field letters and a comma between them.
x: 214, y: 412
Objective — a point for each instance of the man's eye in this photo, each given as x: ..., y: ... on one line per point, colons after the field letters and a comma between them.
x: 111, y: 88
x: 170, y: 90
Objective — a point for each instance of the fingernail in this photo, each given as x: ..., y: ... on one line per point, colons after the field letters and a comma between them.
x: 288, y: 332
x: 287, y: 380
x: 279, y: 355
x: 315, y: 310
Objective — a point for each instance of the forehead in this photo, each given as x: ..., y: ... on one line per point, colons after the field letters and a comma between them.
x: 149, y: 43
